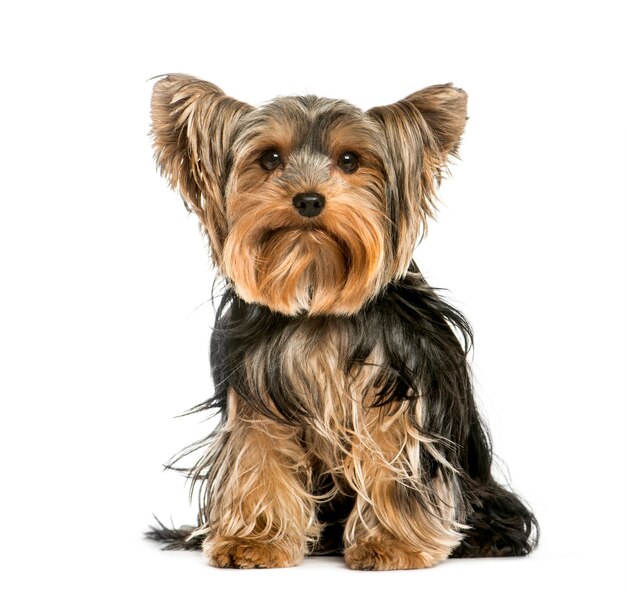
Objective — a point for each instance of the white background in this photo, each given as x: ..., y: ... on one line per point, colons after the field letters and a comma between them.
x: 105, y: 280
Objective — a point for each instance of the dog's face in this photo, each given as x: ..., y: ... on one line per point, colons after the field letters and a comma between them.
x: 310, y: 205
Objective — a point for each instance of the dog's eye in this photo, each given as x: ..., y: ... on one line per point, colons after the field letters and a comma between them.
x: 270, y: 160
x: 348, y: 162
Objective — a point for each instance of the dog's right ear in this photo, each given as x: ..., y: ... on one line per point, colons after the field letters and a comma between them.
x: 193, y: 125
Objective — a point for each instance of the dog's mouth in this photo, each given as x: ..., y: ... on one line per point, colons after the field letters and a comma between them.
x: 294, y: 268
x: 297, y: 234
x: 292, y: 230
x: 300, y: 268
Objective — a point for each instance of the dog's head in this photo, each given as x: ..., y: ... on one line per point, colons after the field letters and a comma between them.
x: 310, y: 204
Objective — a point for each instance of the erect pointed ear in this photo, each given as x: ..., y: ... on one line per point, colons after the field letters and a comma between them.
x: 444, y: 109
x: 422, y: 131
x: 193, y: 125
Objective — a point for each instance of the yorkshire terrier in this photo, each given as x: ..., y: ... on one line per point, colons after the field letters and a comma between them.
x: 347, y: 418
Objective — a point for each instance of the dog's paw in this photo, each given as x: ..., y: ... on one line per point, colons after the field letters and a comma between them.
x: 387, y: 555
x: 224, y: 552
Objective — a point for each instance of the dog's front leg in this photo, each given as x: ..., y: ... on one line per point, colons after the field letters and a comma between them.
x: 259, y: 511
x: 403, y: 517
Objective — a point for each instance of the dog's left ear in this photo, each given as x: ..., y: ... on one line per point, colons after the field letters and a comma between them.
x: 422, y: 132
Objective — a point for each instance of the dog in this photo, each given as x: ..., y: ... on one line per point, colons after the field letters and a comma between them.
x: 347, y: 423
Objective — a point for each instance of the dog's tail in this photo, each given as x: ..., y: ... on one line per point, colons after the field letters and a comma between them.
x: 501, y: 524
x: 174, y: 538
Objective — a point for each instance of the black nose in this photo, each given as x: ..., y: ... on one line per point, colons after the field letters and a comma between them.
x: 309, y: 203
